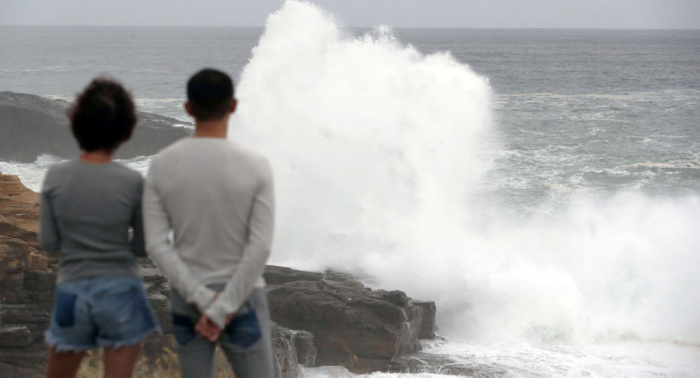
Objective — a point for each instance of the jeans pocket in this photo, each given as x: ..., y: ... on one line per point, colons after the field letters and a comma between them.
x: 64, y: 310
x: 183, y: 329
x: 116, y: 308
x: 244, y: 330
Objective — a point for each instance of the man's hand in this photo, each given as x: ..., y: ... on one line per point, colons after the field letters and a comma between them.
x: 208, y: 329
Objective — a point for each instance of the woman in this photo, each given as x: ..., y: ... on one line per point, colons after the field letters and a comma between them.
x: 88, y: 207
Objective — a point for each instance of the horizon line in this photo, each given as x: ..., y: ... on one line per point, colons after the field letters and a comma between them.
x: 350, y: 27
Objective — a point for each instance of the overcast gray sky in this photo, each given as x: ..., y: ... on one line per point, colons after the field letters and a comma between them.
x: 640, y: 14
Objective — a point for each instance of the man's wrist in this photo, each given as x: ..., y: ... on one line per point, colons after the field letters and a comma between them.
x: 217, y: 314
x: 204, y: 298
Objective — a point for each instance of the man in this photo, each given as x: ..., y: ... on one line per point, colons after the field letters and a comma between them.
x: 208, y: 216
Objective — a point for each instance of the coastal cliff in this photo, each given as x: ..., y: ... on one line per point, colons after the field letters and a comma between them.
x: 31, y: 125
x: 319, y: 319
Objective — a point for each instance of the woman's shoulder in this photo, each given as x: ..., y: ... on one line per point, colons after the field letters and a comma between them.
x: 126, y: 174
x: 62, y: 165
x: 123, y: 180
x: 59, y: 170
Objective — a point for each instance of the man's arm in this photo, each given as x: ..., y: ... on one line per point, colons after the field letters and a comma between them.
x: 157, y: 227
x: 255, y: 253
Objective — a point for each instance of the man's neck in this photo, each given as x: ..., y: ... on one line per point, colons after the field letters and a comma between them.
x: 211, y: 129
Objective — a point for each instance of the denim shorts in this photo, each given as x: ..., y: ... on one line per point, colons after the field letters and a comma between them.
x: 95, y: 312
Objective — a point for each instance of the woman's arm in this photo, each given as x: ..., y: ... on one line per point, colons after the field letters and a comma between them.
x: 49, y: 235
x: 138, y: 240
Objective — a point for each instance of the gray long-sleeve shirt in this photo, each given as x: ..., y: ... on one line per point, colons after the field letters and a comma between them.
x: 86, y: 213
x: 217, y: 199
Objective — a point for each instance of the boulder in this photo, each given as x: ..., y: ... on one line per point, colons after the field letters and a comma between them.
x: 293, y: 350
x: 355, y: 327
x: 427, y: 327
x: 31, y: 125
x: 305, y: 348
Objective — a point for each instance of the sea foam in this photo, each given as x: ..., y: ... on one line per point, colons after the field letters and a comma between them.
x: 375, y: 149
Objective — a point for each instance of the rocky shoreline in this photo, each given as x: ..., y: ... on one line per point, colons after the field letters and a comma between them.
x: 319, y: 319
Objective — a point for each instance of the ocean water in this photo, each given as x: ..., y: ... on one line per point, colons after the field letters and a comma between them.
x: 540, y: 185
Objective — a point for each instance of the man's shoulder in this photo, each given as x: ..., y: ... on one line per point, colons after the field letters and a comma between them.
x: 170, y: 154
x: 173, y: 148
x: 220, y: 152
x: 246, y: 153
x: 253, y: 159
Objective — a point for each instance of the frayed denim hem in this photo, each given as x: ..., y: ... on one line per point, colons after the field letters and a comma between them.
x: 59, y: 346
x: 127, y: 342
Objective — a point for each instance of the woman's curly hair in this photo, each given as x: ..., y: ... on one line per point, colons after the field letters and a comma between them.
x: 103, y: 115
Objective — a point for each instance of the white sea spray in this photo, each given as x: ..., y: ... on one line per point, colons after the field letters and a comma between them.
x: 375, y: 150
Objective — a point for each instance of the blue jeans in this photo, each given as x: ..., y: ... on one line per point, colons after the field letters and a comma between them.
x: 95, y: 312
x: 246, y: 340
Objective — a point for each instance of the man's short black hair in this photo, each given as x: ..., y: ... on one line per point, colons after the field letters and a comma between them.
x: 103, y: 116
x: 210, y: 93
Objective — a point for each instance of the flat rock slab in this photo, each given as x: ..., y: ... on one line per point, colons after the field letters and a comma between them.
x: 15, y: 336
x: 9, y: 371
x: 353, y: 326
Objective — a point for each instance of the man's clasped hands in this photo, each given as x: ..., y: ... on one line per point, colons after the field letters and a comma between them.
x: 207, y: 329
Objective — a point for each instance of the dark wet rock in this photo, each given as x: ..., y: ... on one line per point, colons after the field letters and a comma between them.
x: 9, y: 371
x: 281, y: 275
x: 15, y: 336
x: 157, y: 288
x: 293, y: 350
x: 31, y: 356
x: 31, y: 125
x: 304, y: 345
x: 355, y: 327
x: 427, y: 327
x: 286, y: 364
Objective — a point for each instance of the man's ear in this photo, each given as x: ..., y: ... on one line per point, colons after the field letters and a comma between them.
x: 234, y: 104
x: 188, y: 108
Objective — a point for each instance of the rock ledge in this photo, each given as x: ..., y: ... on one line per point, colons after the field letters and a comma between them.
x: 319, y: 319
